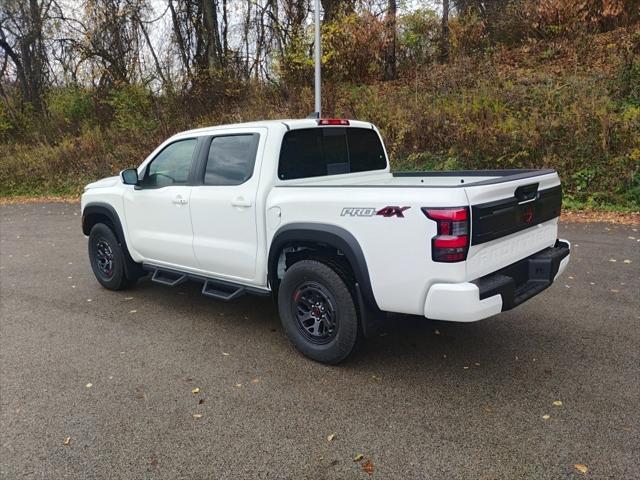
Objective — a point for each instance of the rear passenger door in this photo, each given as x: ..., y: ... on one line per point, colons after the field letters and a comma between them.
x: 223, y: 205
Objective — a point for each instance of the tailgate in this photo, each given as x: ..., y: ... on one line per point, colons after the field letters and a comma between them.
x: 511, y: 219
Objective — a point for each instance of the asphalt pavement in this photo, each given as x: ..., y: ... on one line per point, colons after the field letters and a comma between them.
x: 163, y: 383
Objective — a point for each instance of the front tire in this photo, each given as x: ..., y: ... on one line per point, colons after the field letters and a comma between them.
x: 318, y: 311
x: 107, y: 258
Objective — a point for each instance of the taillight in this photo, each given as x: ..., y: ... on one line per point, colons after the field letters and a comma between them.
x: 451, y: 244
x: 333, y: 121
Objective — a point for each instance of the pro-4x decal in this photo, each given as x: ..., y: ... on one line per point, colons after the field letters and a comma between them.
x: 390, y: 211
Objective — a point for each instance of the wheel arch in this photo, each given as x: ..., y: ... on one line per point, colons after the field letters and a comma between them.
x: 98, y: 212
x: 322, y: 235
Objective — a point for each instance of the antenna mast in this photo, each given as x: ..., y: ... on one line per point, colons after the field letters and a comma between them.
x: 318, y: 104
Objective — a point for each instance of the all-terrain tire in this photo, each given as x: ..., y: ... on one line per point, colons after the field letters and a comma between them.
x: 318, y: 311
x: 108, y: 258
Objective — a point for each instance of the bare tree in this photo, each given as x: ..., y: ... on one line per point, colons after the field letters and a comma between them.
x: 444, y: 40
x: 390, y: 53
x: 334, y: 7
x: 22, y: 41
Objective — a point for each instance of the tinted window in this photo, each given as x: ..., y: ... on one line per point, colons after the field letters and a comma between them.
x: 365, y: 150
x: 231, y: 159
x: 316, y: 152
x: 171, y: 166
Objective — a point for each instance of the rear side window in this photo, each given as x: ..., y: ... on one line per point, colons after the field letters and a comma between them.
x: 171, y: 166
x: 231, y: 159
x: 317, y: 152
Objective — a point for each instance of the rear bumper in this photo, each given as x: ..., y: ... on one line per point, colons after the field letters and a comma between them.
x: 498, y: 291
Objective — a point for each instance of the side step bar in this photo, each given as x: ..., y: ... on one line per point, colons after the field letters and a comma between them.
x: 170, y: 279
x: 214, y: 288
x: 222, y: 291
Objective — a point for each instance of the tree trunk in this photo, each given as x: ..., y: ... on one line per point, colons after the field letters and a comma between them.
x: 213, y: 46
x: 177, y: 30
x: 390, y: 53
x: 444, y: 41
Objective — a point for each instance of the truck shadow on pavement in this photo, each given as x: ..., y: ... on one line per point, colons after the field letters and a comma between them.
x: 404, y: 342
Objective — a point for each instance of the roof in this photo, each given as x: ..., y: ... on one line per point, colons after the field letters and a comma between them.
x: 289, y: 124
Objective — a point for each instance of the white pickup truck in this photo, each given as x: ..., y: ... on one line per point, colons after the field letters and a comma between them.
x: 308, y: 211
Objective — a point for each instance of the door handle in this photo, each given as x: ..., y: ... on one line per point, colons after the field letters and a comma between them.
x: 241, y: 202
x: 178, y: 200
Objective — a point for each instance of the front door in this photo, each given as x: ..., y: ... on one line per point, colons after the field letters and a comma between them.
x: 157, y: 211
x: 223, y: 207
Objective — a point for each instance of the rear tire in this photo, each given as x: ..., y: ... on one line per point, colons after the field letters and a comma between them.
x: 318, y: 311
x: 108, y: 259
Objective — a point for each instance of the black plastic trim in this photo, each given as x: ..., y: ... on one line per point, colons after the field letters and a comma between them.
x: 524, y: 279
x: 500, y: 218
x: 204, y: 279
x: 505, y: 176
x: 330, y: 235
x: 470, y: 173
x: 132, y: 268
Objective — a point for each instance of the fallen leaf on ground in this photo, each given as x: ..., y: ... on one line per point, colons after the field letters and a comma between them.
x: 546, y: 417
x: 197, y: 415
x: 368, y: 467
x: 255, y: 380
x: 195, y: 391
x: 331, y: 437
x: 67, y: 441
x: 557, y: 403
x: 358, y: 457
x: 582, y: 468
x: 89, y: 385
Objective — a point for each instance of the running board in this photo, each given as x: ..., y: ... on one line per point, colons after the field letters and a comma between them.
x: 170, y: 279
x: 222, y: 291
x: 213, y: 288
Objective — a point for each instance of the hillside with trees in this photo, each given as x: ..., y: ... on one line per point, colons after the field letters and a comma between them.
x: 90, y: 87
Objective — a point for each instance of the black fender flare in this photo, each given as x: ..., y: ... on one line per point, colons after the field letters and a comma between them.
x: 132, y: 269
x: 332, y: 236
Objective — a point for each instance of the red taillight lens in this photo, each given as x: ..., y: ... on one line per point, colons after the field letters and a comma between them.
x: 452, y: 242
x: 333, y: 121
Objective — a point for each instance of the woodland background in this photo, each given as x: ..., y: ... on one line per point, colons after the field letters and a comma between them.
x: 89, y: 87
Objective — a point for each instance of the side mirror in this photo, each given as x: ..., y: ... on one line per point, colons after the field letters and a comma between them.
x: 129, y: 176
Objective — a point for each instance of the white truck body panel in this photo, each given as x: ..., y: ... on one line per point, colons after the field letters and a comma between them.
x: 226, y: 232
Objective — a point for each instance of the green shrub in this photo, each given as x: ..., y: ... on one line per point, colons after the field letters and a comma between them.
x: 132, y: 109
x: 69, y: 108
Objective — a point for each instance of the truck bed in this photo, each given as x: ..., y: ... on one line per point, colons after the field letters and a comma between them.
x: 513, y: 215
x: 431, y: 179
